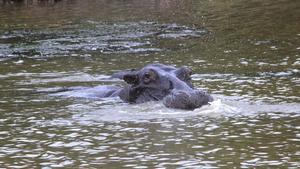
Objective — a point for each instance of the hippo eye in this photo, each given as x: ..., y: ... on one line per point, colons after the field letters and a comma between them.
x: 147, y: 75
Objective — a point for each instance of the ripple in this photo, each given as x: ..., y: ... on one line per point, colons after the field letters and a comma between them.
x: 130, y: 37
x: 71, y: 144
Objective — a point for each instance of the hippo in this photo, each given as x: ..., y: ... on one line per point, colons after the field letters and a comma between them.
x: 155, y: 82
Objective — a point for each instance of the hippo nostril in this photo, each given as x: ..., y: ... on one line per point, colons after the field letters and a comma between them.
x: 182, y: 93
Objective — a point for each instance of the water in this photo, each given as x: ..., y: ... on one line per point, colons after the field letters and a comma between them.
x: 246, y: 54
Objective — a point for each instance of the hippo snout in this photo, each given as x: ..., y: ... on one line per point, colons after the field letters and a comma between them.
x: 187, y: 99
x: 201, y: 98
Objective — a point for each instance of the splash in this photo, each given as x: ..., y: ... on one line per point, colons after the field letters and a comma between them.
x: 114, y: 110
x: 218, y: 107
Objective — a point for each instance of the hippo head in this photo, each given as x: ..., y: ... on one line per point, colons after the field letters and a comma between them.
x: 160, y: 82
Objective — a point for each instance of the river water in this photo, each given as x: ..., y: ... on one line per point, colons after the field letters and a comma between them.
x: 245, y: 53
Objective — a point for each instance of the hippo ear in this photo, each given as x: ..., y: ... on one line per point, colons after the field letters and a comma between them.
x: 184, y: 73
x: 130, y: 78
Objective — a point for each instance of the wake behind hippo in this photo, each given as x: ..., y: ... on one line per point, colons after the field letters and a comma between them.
x: 155, y: 82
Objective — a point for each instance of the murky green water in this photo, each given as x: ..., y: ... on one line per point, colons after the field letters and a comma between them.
x: 245, y: 53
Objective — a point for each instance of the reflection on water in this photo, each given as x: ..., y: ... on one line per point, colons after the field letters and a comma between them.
x: 106, y: 39
x: 245, y: 53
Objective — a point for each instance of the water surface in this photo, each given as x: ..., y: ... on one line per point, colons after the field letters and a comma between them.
x: 246, y: 54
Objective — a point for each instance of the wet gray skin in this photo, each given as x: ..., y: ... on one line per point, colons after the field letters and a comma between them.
x: 156, y: 82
